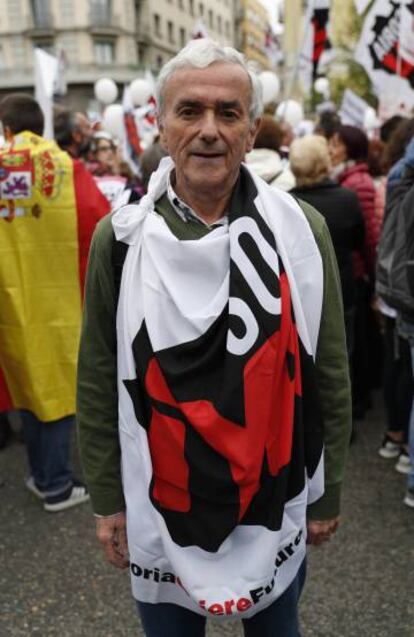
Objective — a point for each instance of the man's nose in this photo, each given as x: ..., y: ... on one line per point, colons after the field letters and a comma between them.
x: 209, y: 128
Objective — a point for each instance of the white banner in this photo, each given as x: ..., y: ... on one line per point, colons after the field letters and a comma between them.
x: 353, y: 109
x: 386, y: 50
x: 407, y: 34
x: 306, y: 54
x: 361, y: 5
x: 46, y: 69
x: 315, y: 29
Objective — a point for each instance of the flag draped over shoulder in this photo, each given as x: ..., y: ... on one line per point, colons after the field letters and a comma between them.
x: 40, y: 290
x: 386, y: 49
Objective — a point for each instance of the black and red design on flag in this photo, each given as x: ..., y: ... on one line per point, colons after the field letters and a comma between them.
x: 229, y: 435
x: 320, y: 20
x: 132, y: 134
x: 384, y: 48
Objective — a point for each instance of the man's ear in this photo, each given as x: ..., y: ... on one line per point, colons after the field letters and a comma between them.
x: 253, y: 134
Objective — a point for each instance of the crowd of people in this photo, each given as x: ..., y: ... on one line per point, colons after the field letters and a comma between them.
x: 361, y: 185
x: 225, y: 160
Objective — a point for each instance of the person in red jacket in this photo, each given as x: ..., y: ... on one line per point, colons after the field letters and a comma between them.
x: 349, y: 155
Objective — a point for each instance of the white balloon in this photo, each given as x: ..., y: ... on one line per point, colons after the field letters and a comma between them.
x: 270, y: 86
x: 113, y: 121
x: 322, y: 85
x: 370, y: 119
x: 106, y: 91
x: 140, y: 91
x: 290, y: 111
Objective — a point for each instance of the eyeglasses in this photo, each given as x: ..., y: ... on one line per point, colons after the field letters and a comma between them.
x: 109, y: 147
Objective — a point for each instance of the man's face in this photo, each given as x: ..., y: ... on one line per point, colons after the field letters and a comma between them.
x: 83, y: 136
x: 205, y: 126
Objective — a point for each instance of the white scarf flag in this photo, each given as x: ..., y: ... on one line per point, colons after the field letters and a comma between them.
x: 220, y: 425
x: 386, y: 50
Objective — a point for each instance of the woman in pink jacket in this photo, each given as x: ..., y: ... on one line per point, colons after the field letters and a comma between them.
x: 349, y: 155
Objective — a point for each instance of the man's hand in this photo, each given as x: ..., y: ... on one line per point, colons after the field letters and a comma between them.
x: 321, y: 531
x: 111, y: 533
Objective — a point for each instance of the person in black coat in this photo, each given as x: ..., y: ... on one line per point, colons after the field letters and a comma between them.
x: 310, y: 163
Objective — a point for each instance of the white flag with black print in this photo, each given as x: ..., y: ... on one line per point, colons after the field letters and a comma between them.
x: 386, y: 49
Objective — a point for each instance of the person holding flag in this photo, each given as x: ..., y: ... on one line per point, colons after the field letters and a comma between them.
x: 46, y: 223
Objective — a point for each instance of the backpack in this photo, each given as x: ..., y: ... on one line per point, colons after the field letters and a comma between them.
x: 391, y: 273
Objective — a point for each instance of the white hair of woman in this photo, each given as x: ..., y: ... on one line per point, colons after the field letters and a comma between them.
x: 309, y: 159
x: 200, y: 54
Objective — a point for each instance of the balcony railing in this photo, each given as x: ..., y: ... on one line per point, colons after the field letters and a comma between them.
x: 43, y: 20
x: 102, y: 17
x: 19, y: 78
x: 39, y: 23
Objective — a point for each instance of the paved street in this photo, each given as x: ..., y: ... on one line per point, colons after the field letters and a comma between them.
x: 54, y: 582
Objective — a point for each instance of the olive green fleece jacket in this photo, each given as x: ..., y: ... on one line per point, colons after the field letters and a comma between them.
x: 97, y: 400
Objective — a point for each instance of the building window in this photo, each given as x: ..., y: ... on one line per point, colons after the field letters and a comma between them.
x: 181, y: 4
x: 227, y: 28
x: 191, y: 6
x: 18, y: 51
x: 101, y: 12
x: 15, y: 12
x: 201, y: 9
x: 42, y: 14
x: 68, y: 43
x: 67, y: 12
x: 219, y: 23
x: 1, y: 57
x: 160, y: 61
x: 104, y: 52
x: 183, y: 37
x: 210, y: 19
x: 157, y: 25
x: 170, y: 32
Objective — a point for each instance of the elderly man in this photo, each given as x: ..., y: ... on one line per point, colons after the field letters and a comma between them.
x: 73, y: 132
x: 212, y: 350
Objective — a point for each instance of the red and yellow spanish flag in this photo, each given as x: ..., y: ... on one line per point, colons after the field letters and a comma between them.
x: 42, y: 268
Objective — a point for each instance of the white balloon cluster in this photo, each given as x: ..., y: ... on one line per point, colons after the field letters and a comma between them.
x: 321, y: 86
x: 113, y: 121
x: 290, y: 111
x: 106, y: 92
x: 270, y: 86
x: 140, y: 91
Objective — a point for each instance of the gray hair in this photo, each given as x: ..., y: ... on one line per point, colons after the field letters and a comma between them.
x: 201, y: 53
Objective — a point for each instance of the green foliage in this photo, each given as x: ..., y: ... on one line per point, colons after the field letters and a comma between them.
x: 345, y: 72
x: 353, y: 76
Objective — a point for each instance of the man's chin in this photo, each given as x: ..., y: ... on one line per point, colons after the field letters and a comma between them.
x: 207, y: 179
